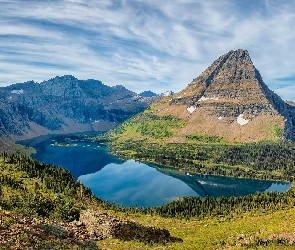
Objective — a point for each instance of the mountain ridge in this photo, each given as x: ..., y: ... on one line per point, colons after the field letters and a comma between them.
x: 63, y: 105
x: 228, y: 100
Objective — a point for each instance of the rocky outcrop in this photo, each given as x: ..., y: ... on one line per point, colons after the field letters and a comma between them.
x: 102, y: 226
x: 64, y: 105
x: 22, y: 232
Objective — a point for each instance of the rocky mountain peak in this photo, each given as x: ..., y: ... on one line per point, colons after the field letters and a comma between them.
x: 232, y: 78
x: 232, y: 75
x: 232, y: 65
x: 229, y: 99
x: 63, y: 104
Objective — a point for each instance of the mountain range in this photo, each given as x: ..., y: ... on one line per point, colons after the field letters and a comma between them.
x: 63, y: 105
x: 229, y: 101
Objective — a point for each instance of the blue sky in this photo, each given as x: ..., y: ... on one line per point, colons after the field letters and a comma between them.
x: 145, y: 44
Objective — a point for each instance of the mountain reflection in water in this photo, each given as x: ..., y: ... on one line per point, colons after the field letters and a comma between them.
x: 133, y: 183
x: 217, y: 186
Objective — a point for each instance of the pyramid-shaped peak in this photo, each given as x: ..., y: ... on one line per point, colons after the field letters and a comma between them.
x: 234, y: 58
x: 230, y: 68
x: 240, y: 55
x: 232, y: 78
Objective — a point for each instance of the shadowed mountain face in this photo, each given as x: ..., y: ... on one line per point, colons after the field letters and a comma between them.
x: 64, y: 105
x: 230, y: 100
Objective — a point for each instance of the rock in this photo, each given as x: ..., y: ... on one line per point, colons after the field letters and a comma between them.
x: 77, y: 223
x: 102, y: 226
x: 51, y: 235
x: 55, y: 230
x: 148, y: 93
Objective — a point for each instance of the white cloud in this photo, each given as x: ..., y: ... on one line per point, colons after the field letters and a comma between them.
x: 155, y: 45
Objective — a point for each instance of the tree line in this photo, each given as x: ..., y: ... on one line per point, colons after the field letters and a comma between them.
x: 265, y: 160
x: 37, y: 189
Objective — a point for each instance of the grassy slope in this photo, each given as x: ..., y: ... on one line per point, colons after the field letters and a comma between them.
x: 220, y: 233
x: 216, y: 232
x: 164, y: 123
x: 271, y: 230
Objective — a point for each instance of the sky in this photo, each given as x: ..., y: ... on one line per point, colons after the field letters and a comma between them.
x: 155, y: 45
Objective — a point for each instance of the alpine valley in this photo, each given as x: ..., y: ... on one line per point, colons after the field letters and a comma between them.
x: 226, y: 122
x: 63, y: 105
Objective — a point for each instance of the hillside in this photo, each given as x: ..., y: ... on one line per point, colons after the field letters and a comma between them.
x: 63, y: 105
x: 229, y: 101
x: 226, y: 122
x: 42, y: 207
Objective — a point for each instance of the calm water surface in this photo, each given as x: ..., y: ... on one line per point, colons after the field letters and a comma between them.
x: 133, y: 183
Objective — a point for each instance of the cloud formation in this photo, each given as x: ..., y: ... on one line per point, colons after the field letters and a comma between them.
x: 156, y: 45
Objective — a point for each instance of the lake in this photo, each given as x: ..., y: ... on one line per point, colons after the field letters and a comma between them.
x: 133, y: 183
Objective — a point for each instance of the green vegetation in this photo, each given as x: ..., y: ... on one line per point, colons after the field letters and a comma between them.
x: 159, y: 127
x: 205, y: 138
x: 213, y: 223
x: 40, y: 190
x: 251, y: 230
x: 264, y: 160
x: 44, y: 191
x: 279, y: 132
x: 147, y: 125
x: 35, y: 189
x: 23, y: 150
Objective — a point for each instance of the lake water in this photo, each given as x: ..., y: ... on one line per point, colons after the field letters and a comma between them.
x: 132, y: 183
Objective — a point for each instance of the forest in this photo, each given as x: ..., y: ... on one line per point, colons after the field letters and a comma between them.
x: 37, y: 189
x: 32, y: 188
x: 263, y: 160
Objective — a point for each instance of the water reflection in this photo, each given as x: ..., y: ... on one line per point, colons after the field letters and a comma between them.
x: 78, y: 156
x: 133, y: 183
x: 218, y: 186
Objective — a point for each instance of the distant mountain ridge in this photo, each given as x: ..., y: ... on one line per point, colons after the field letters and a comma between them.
x: 64, y: 105
x: 228, y: 100
x: 151, y: 97
x: 147, y: 93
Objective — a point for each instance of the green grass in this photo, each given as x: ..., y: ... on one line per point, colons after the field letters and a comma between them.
x: 147, y: 126
x: 23, y: 150
x: 216, y: 233
x: 31, y: 186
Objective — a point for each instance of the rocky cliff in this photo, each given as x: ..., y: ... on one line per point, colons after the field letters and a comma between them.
x: 64, y: 105
x: 229, y: 100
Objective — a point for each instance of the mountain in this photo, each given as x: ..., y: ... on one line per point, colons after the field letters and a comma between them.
x: 229, y: 100
x: 147, y: 93
x: 150, y: 97
x: 63, y: 105
x: 167, y: 93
